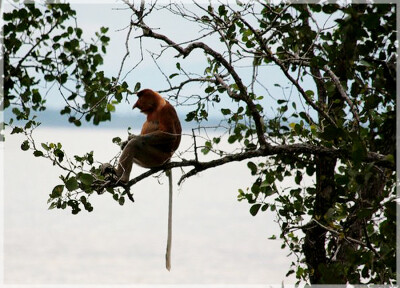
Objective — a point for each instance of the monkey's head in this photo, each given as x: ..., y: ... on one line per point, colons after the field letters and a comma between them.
x: 149, y: 101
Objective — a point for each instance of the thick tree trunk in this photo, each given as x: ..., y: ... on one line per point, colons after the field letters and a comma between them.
x: 314, y: 243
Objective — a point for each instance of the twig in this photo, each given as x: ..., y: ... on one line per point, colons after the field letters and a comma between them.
x: 348, y: 239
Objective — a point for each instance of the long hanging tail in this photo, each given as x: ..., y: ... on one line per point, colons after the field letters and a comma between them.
x: 169, y: 239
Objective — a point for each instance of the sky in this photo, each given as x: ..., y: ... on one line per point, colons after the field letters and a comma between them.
x: 113, y: 14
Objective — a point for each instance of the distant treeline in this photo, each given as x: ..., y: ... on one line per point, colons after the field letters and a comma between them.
x: 53, y: 118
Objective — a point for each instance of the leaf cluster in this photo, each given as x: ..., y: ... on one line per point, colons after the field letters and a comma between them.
x: 43, y: 47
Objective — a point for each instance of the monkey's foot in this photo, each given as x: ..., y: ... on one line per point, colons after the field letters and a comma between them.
x: 107, y: 169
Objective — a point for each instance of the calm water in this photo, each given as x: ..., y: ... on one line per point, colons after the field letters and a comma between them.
x: 215, y: 239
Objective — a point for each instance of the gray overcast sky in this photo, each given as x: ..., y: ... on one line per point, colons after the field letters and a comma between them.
x: 91, y: 17
x: 113, y: 14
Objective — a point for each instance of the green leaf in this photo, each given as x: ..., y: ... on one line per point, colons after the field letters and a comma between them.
x: 209, y: 89
x: 52, y: 205
x: 116, y: 140
x: 205, y: 150
x: 110, y: 107
x: 390, y: 158
x: 265, y: 183
x: 299, y: 177
x: 25, y: 145
x: 83, y: 199
x: 173, y: 75
x: 78, y: 32
x: 86, y: 179
x: 221, y: 10
x: 310, y: 93
x: 225, y: 111
x: 254, y: 209
x: 137, y: 87
x: 17, y: 130
x: 45, y: 147
x: 358, y: 151
x: 190, y: 116
x: 57, y: 191
x: 250, y: 44
x: 59, y: 154
x: 269, y: 191
x: 77, y: 122
x: 232, y: 139
x: 104, y: 39
x: 252, y: 167
x: 75, y: 210
x: 38, y: 153
x: 72, y: 184
x: 89, y: 207
x: 49, y: 77
x: 247, y: 33
x: 333, y: 133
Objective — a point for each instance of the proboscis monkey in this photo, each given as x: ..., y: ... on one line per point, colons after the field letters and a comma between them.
x: 157, y: 142
x: 159, y: 138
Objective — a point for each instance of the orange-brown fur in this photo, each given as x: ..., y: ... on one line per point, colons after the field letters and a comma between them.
x: 159, y: 138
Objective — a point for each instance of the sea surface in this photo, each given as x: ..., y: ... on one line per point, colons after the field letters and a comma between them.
x: 215, y: 241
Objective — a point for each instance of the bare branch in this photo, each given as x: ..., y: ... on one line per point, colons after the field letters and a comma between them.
x: 243, y: 95
x: 343, y: 94
x: 125, y: 56
x: 183, y: 83
x: 228, y: 89
x: 285, y: 70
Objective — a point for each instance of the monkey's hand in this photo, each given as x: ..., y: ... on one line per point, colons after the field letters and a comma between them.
x: 130, y: 137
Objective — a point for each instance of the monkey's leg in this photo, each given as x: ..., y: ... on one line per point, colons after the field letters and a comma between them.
x: 140, y: 150
x: 126, y: 160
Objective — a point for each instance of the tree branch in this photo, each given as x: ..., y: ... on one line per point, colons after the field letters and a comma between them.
x: 379, y: 159
x: 343, y: 93
x: 183, y: 83
x: 41, y: 39
x: 285, y: 70
x: 242, y: 95
x: 348, y: 239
